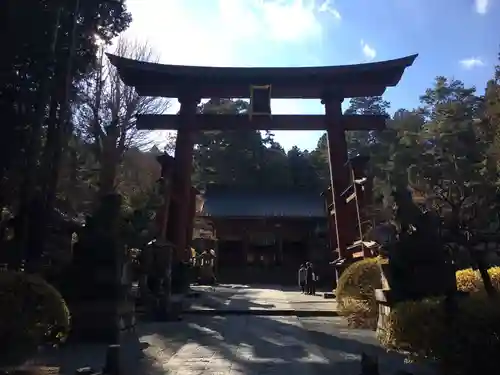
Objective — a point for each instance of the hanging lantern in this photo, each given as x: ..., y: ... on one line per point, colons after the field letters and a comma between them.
x: 260, y: 100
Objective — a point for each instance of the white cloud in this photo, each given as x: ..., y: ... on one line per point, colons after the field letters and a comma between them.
x: 270, y: 20
x: 327, y: 7
x: 369, y: 52
x: 215, y: 32
x: 472, y: 62
x: 233, y: 33
x: 227, y: 32
x: 481, y: 6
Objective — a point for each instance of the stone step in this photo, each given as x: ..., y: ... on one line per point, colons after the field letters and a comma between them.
x: 260, y: 312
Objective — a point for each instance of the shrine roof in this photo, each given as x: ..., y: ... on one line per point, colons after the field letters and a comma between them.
x: 250, y: 203
x: 368, y: 79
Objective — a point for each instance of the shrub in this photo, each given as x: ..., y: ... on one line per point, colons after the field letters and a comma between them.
x: 32, y: 314
x: 359, y: 313
x: 469, y: 343
x: 356, y: 293
x: 469, y: 280
x: 494, y: 273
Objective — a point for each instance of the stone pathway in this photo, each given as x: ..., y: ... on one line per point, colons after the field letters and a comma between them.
x: 258, y: 299
x: 304, y: 302
x: 239, y: 344
x: 238, y: 298
x: 261, y: 344
x: 249, y: 345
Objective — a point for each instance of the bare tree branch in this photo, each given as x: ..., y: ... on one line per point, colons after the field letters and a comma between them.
x: 107, y: 113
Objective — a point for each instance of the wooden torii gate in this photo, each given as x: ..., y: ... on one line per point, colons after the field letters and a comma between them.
x: 190, y: 84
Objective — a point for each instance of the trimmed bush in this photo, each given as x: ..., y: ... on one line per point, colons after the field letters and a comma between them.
x: 356, y: 293
x: 32, y: 313
x: 468, y: 343
x: 494, y: 273
x: 469, y: 280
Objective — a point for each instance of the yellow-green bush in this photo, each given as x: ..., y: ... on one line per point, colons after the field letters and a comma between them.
x: 32, y: 313
x: 356, y: 293
x: 494, y: 273
x: 469, y: 280
x: 469, y: 342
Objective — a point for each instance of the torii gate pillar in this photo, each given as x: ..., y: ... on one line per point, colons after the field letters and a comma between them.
x: 339, y: 175
x: 183, y: 168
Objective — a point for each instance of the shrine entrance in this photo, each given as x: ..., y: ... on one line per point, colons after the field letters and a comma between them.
x: 231, y: 255
x: 331, y: 85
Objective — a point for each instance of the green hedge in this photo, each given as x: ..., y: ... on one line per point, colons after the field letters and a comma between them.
x: 468, y: 343
x: 32, y: 313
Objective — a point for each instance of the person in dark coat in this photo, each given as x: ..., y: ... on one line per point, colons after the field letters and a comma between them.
x: 314, y: 278
x: 302, y: 278
x: 309, y: 278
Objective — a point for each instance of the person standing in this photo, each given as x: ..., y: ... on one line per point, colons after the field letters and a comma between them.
x: 309, y: 278
x: 314, y: 279
x: 302, y: 278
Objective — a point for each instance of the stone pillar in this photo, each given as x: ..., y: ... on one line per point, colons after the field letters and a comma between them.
x: 339, y: 175
x: 183, y: 166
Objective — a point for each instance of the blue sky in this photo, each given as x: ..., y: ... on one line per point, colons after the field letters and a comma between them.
x: 455, y: 38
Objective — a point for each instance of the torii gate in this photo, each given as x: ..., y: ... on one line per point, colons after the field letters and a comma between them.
x: 190, y: 84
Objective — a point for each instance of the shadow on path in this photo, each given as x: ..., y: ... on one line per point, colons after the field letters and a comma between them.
x: 246, y: 344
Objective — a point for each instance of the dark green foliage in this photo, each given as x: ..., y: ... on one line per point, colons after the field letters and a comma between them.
x: 467, y: 344
x: 32, y: 314
x: 28, y: 61
x: 249, y: 159
x: 50, y: 47
x: 99, y: 248
x: 419, y: 264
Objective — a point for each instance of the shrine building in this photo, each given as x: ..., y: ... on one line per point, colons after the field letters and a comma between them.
x: 264, y: 235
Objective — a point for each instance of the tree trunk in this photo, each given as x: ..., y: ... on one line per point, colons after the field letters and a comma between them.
x: 109, y: 165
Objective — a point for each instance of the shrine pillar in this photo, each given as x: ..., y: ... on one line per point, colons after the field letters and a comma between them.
x: 339, y: 174
x: 183, y: 167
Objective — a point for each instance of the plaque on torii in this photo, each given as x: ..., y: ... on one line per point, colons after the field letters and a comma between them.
x: 330, y: 84
x: 260, y: 101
